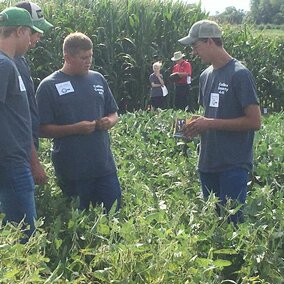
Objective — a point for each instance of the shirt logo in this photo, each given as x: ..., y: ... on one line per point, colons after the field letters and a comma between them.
x: 223, y: 88
x: 39, y: 14
x: 99, y: 89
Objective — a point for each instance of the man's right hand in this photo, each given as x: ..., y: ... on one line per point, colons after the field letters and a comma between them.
x: 85, y: 127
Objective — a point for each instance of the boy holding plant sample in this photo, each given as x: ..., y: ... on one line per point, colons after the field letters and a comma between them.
x: 232, y: 114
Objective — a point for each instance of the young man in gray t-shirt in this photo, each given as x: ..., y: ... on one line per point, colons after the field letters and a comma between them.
x: 77, y: 109
x: 16, y: 182
x: 21, y: 62
x: 228, y: 96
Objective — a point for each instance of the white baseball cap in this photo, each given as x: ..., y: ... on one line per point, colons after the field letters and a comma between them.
x: 36, y: 14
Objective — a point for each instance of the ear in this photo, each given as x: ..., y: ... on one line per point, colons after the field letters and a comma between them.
x: 67, y: 58
x: 19, y: 31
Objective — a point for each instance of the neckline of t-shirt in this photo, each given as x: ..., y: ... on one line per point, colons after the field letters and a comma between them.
x: 1, y: 51
x: 71, y: 76
x: 225, y: 66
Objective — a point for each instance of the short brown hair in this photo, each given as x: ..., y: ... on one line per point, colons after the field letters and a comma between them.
x: 7, y: 31
x: 76, y: 42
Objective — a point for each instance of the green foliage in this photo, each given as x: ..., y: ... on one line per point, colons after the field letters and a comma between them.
x: 266, y: 11
x: 261, y: 54
x: 165, y: 231
x: 231, y: 15
x: 129, y: 35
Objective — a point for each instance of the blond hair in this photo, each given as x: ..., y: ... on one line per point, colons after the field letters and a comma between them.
x: 158, y: 64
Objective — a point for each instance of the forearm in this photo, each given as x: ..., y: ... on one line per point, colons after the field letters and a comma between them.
x: 156, y: 85
x: 107, y: 122
x: 37, y: 169
x: 34, y: 157
x: 251, y: 120
x: 235, y: 124
x: 57, y: 131
x: 182, y: 74
x: 113, y: 118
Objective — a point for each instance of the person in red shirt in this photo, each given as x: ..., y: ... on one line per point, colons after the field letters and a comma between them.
x: 181, y: 75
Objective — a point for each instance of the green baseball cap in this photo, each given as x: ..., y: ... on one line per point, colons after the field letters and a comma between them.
x: 201, y: 29
x: 14, y: 16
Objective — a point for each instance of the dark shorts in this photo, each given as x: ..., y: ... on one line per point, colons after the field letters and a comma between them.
x: 158, y: 102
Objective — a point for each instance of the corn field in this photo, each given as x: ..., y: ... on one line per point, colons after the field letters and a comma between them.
x: 129, y: 35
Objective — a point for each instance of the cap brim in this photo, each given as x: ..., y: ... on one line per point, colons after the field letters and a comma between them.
x: 43, y: 25
x: 36, y: 29
x: 186, y: 40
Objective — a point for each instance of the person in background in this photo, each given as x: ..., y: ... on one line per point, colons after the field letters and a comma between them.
x: 23, y: 67
x: 181, y: 76
x: 231, y: 116
x: 77, y: 110
x: 158, y: 100
x: 16, y: 182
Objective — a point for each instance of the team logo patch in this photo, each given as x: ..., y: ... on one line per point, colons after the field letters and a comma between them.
x: 99, y: 89
x: 223, y: 88
x: 39, y: 14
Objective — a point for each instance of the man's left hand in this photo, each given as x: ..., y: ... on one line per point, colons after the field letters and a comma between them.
x: 104, y: 123
x: 195, y: 127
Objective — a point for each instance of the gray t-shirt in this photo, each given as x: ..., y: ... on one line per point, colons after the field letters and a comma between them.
x: 224, y: 93
x: 25, y: 73
x: 63, y: 100
x: 15, y: 126
x: 155, y: 91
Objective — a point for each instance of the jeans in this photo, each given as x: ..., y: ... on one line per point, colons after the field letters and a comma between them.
x: 17, y: 197
x: 229, y: 184
x: 101, y: 190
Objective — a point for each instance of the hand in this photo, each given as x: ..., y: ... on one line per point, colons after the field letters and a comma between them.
x: 104, y: 123
x: 38, y: 173
x: 198, y: 125
x: 85, y: 127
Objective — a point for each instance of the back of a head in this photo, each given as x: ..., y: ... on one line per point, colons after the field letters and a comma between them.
x: 75, y: 42
x: 13, y: 17
x: 36, y: 14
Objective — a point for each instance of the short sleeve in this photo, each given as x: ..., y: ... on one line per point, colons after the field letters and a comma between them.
x: 244, y: 88
x: 5, y: 73
x: 45, y: 106
x: 110, y: 103
x: 187, y: 68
